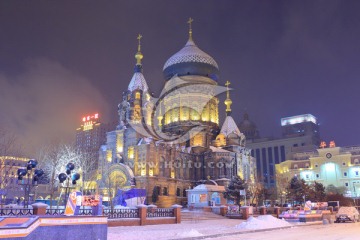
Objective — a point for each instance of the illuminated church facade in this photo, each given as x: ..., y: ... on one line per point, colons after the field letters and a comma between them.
x: 172, y: 143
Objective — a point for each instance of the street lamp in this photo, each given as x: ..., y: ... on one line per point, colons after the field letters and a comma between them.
x: 66, y: 177
x: 30, y: 174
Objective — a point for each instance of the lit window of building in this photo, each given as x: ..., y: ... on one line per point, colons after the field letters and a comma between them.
x: 131, y: 152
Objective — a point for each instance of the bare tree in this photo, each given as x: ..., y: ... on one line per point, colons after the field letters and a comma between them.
x: 282, y: 189
x: 9, y: 148
x: 50, y: 161
x: 87, y: 166
x: 255, y: 189
x: 54, y: 159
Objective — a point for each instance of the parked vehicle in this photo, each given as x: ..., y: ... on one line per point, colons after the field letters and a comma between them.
x: 347, y: 214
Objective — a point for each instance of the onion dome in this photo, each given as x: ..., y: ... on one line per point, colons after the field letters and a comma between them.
x: 246, y: 123
x: 138, y: 80
x: 248, y: 127
x: 191, y: 60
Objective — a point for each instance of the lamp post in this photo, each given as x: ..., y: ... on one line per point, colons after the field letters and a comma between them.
x: 67, y: 177
x: 32, y: 179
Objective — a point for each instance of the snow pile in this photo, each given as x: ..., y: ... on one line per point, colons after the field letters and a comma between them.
x: 192, y: 233
x: 121, y: 207
x: 263, y: 222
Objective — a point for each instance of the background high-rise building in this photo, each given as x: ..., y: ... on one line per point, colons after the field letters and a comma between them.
x: 299, y: 133
x: 301, y: 125
x: 91, y: 135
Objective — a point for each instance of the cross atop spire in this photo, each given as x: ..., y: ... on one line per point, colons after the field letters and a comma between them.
x: 139, y: 40
x: 190, y: 28
x: 227, y: 86
x: 139, y: 55
x: 228, y: 101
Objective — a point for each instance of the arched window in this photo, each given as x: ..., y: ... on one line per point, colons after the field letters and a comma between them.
x: 165, y: 191
x: 162, y: 167
x: 184, y: 192
x: 137, y: 95
x: 211, y: 171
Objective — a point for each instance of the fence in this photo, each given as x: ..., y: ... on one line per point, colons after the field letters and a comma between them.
x: 159, y: 212
x: 121, y: 213
x: 16, y: 211
x: 141, y: 215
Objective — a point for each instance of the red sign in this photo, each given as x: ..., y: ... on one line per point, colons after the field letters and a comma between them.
x: 88, y: 118
x: 92, y: 200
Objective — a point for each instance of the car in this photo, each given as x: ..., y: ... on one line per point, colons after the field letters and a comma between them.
x: 347, y: 214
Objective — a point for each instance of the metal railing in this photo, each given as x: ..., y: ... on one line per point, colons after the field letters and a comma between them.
x: 111, y: 214
x: 55, y: 211
x: 85, y: 212
x: 16, y: 211
x: 160, y: 212
x: 121, y: 213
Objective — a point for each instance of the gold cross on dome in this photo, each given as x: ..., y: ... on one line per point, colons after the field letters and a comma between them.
x: 139, y: 39
x: 189, y: 22
x: 227, y: 89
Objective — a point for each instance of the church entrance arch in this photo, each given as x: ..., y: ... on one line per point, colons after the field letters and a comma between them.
x: 120, y: 176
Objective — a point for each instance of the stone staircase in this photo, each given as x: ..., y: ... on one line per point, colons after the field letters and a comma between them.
x: 197, y: 215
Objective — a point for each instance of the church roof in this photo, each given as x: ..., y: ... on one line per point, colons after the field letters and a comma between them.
x: 190, y: 53
x: 138, y: 82
x: 216, y: 149
x: 229, y: 126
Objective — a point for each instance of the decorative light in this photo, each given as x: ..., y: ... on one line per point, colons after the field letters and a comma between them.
x: 330, y: 167
x: 298, y: 119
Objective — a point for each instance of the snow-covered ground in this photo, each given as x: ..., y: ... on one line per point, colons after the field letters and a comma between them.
x: 174, y: 231
x: 268, y: 227
x: 195, y: 228
x: 338, y: 231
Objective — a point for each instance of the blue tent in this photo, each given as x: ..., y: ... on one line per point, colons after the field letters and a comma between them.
x: 122, y: 195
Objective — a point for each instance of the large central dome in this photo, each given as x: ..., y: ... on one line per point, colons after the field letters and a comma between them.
x: 191, y: 60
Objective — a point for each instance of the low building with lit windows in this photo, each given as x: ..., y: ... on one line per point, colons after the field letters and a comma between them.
x: 339, y: 166
x: 10, y: 189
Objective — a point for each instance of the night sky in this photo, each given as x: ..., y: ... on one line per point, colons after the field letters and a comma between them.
x: 60, y: 60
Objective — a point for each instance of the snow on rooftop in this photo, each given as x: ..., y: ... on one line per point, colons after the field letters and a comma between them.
x: 208, y: 187
x: 216, y: 149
